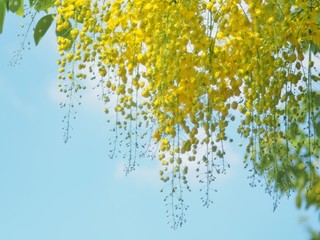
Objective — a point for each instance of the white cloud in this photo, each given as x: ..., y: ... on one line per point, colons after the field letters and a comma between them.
x: 142, y: 175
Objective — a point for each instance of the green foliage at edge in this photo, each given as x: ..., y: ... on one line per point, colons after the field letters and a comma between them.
x: 15, y: 6
x: 41, y: 5
x: 3, y: 8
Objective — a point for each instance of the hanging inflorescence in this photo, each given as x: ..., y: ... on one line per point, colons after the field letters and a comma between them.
x: 185, y: 70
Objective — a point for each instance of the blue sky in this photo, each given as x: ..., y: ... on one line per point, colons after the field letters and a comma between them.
x: 55, y: 191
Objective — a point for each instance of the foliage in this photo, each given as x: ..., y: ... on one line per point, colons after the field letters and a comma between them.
x: 315, y: 236
x: 187, y: 69
x: 15, y: 6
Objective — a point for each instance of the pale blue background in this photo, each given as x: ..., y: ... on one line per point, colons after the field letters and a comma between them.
x: 55, y: 191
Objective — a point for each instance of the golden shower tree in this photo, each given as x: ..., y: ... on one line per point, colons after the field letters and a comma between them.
x: 187, y: 70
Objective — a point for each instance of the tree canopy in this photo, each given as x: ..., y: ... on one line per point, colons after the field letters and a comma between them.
x: 185, y: 71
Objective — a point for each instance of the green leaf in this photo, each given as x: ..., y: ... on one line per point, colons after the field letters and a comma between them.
x: 42, y: 27
x: 3, y: 9
x: 298, y: 201
x: 32, y: 2
x: 20, y: 11
x: 15, y: 5
x: 42, y: 5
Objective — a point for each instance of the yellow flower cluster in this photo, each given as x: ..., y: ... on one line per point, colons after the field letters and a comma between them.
x: 191, y: 67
